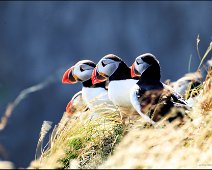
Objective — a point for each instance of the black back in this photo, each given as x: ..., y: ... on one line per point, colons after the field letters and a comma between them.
x: 122, y: 73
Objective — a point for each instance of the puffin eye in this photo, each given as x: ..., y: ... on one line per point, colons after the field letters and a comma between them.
x: 103, y: 64
x: 81, y: 69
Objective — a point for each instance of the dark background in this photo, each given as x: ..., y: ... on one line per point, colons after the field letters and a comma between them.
x: 39, y: 39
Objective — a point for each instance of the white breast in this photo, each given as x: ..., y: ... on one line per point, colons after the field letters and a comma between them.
x: 119, y: 92
x: 136, y: 104
x: 134, y: 99
x: 95, y: 96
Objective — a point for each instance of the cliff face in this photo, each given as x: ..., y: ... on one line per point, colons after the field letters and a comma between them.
x: 82, y: 141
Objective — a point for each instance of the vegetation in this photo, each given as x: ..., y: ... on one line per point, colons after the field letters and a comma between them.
x: 187, y: 146
x: 88, y: 140
x: 104, y: 141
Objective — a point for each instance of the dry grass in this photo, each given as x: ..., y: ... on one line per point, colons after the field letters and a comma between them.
x: 87, y: 143
x: 84, y: 142
x: 6, y: 165
x: 90, y: 143
x: 82, y: 139
x: 188, y: 146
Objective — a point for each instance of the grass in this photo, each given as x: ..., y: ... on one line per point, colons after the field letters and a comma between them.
x: 90, y: 141
x: 105, y: 142
x: 188, y: 146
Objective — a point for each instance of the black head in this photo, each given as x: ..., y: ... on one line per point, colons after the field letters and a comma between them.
x: 111, y: 67
x: 147, y: 67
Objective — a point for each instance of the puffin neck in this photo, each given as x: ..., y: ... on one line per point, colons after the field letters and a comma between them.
x: 150, y: 77
x: 121, y: 73
x: 88, y: 83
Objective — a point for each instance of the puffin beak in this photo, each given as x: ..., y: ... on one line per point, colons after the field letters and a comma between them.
x: 68, y: 108
x: 68, y: 77
x: 96, y: 77
x: 134, y: 72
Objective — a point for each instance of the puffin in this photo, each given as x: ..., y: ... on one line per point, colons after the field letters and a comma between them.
x: 76, y: 104
x: 113, y: 69
x: 191, y: 81
x: 151, y: 98
x: 190, y: 85
x: 92, y: 95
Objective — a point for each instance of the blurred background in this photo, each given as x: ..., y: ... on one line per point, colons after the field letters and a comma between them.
x: 42, y: 39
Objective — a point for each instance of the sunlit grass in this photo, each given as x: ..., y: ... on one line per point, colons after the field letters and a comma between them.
x: 188, y: 146
x: 89, y: 140
x: 87, y: 143
x: 104, y: 141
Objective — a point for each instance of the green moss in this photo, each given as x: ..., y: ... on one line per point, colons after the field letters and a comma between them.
x: 108, y: 143
x: 72, y: 152
x: 65, y: 161
x: 76, y: 143
x: 118, y: 129
x: 118, y: 132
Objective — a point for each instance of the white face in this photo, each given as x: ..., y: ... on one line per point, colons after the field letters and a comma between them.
x: 106, y: 67
x: 140, y: 65
x: 82, y: 71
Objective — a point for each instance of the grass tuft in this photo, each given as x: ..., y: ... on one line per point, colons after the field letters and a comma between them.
x: 100, y: 139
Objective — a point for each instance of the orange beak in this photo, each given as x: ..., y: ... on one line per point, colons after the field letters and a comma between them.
x: 96, y: 77
x: 134, y: 72
x: 68, y: 77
